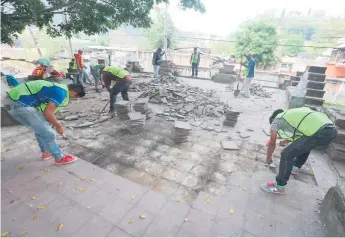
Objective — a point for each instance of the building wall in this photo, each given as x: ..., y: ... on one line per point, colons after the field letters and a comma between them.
x: 335, y: 71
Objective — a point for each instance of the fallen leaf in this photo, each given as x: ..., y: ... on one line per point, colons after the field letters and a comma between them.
x: 5, y: 234
x: 317, y: 211
x: 92, y: 179
x: 60, y: 183
x: 48, y: 171
x: 35, y: 217
x: 33, y: 198
x: 21, y: 167
x: 88, y: 207
x: 81, y: 189
x: 77, y: 180
x: 207, y: 201
x: 133, y: 196
x: 23, y: 233
x: 142, y: 216
x: 244, y: 189
x: 83, y: 178
x: 60, y: 227
x: 131, y: 221
x: 41, y: 207
x: 231, y: 211
x: 310, y: 171
x: 7, y: 150
x: 27, y: 158
x: 177, y: 200
x: 186, y: 219
x: 14, y: 218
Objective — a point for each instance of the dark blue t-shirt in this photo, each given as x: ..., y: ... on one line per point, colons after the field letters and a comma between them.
x: 251, y: 67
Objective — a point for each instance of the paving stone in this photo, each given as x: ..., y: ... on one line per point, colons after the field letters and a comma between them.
x: 261, y: 204
x: 152, y: 201
x: 201, y: 170
x: 186, y: 194
x: 229, y: 145
x: 140, y: 177
x: 215, y: 189
x: 160, y: 228
x: 207, y: 203
x: 198, y: 224
x: 183, y: 165
x: 115, y: 210
x: 14, y: 216
x: 219, y: 177
x: 283, y: 229
x: 129, y: 189
x: 259, y: 224
x: 248, y: 234
x: 96, y: 205
x: 165, y: 186
x: 133, y: 224
x: 224, y: 228
x: 156, y: 169
x: 167, y: 159
x: 174, y: 175
x: 96, y: 226
x: 117, y: 232
x: 194, y: 182
x: 227, y: 166
x: 287, y: 214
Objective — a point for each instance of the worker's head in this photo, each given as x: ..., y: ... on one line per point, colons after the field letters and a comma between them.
x: 80, y: 52
x: 195, y: 49
x: 76, y: 91
x: 248, y: 56
x: 274, y: 114
x: 101, y: 68
x: 159, y: 50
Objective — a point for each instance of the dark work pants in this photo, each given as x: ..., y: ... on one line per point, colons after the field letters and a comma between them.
x: 298, y: 151
x: 195, y: 69
x: 122, y: 88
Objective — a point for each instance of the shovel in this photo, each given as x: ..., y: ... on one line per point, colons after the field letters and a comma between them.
x: 237, y: 90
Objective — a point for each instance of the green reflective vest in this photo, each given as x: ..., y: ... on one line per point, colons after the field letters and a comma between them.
x: 305, y: 121
x: 195, y: 57
x: 33, y: 88
x: 75, y: 65
x: 116, y: 71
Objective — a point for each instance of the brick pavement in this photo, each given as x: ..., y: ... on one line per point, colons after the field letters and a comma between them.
x: 106, y: 192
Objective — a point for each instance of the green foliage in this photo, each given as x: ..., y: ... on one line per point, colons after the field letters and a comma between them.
x: 155, y: 35
x: 87, y: 16
x: 294, y: 44
x: 260, y: 39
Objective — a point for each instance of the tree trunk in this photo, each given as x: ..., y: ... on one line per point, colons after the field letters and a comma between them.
x: 35, y: 42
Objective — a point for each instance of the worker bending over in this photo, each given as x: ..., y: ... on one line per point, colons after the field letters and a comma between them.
x: 122, y: 81
x: 195, y: 61
x: 34, y: 104
x: 305, y: 129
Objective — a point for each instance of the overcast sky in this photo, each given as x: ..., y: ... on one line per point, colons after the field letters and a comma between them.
x: 223, y: 16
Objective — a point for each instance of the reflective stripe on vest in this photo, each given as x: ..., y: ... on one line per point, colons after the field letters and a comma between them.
x: 116, y: 71
x: 33, y: 88
x: 305, y: 121
x: 195, y: 57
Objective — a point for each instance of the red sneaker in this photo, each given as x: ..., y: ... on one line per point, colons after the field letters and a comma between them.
x: 46, y: 156
x: 67, y: 159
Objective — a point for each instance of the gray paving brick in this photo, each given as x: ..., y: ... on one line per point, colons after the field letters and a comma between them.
x: 117, y: 232
x: 248, y: 234
x: 198, y: 224
x: 224, y: 228
x: 186, y: 194
x: 207, y: 203
x: 238, y: 209
x: 131, y: 192
x: 237, y: 196
x: 14, y: 216
x: 165, y: 186
x: 283, y: 229
x: 133, y: 224
x: 161, y: 228
x: 35, y: 200
x: 115, y: 210
x: 96, y: 226
x: 183, y: 165
x: 287, y: 214
x: 240, y: 179
x: 258, y: 224
x: 215, y: 189
x: 152, y: 201
x: 74, y: 219
x: 9, y: 202
x: 261, y: 204
x: 156, y: 169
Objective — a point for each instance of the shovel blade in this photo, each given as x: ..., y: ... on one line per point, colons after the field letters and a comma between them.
x: 236, y: 93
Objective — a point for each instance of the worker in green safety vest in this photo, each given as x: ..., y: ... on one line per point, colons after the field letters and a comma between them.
x: 34, y: 105
x: 122, y: 80
x: 195, y: 61
x: 305, y: 129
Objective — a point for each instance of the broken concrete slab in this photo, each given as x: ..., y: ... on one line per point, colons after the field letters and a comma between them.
x: 71, y: 118
x: 229, y: 145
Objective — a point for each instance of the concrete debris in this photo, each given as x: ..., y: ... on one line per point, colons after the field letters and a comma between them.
x: 255, y: 89
x: 71, y: 118
x: 141, y: 105
x: 229, y: 145
x: 122, y: 109
x: 136, y: 122
x: 85, y: 124
x: 231, y: 118
x: 180, y: 132
x: 244, y: 135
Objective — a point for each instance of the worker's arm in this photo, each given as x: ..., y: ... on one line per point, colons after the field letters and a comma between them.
x: 106, y: 81
x: 271, y: 146
x: 49, y: 114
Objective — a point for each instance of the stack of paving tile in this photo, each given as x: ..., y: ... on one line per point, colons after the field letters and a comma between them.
x: 122, y: 109
x: 180, y: 132
x: 231, y: 118
x: 136, y: 122
x: 141, y: 105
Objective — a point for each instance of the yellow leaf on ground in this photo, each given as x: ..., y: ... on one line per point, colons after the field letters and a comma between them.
x: 92, y: 179
x: 207, y: 201
x: 21, y: 167
x: 60, y: 183
x: 142, y: 216
x: 81, y: 189
x: 48, y: 171
x: 88, y: 207
x: 83, y: 178
x: 133, y: 196
x: 231, y: 211
x: 177, y: 200
x: 7, y: 150
x: 244, y: 189
x: 33, y: 198
x: 131, y: 221
x: 35, y: 217
x: 318, y: 211
x: 5, y: 234
x: 310, y: 171
x: 60, y: 227
x: 27, y: 158
x: 41, y: 207
x: 23, y: 233
x: 186, y: 219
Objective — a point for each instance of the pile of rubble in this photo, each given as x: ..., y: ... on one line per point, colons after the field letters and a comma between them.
x: 218, y: 62
x: 255, y: 89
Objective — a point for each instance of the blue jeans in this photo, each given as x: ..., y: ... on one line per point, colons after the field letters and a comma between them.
x: 296, y: 154
x: 33, y: 119
x: 119, y: 88
x: 84, y: 76
x: 195, y: 69
x: 155, y: 73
